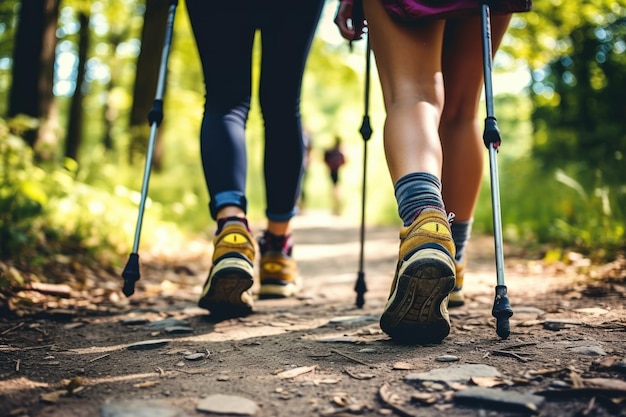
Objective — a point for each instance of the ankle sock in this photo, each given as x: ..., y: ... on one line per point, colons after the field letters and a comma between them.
x: 461, y: 232
x: 415, y: 192
x: 270, y: 242
x: 222, y: 222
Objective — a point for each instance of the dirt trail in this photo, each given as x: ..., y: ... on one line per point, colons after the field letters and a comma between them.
x: 319, y: 355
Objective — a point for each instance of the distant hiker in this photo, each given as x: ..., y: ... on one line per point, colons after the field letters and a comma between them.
x: 335, y: 159
x: 224, y: 32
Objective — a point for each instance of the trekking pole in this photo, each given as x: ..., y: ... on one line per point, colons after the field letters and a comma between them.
x: 501, y: 307
x: 366, y: 133
x: 155, y: 116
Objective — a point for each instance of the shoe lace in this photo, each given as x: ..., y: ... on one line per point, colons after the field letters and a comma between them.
x: 451, y: 217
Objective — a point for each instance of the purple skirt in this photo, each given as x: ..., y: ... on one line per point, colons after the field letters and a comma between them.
x: 411, y: 11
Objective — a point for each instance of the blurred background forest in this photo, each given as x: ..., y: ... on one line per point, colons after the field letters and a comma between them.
x: 78, y: 78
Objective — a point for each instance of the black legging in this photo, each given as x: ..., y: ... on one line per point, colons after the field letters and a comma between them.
x: 224, y: 32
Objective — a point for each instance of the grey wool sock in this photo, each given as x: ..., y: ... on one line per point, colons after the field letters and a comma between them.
x: 415, y: 192
x: 461, y: 232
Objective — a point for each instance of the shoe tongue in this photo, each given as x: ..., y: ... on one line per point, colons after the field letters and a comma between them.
x: 226, y: 220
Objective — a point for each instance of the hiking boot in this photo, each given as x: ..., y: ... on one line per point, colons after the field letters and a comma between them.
x: 278, y: 274
x: 417, y: 309
x: 225, y: 292
x: 457, y: 298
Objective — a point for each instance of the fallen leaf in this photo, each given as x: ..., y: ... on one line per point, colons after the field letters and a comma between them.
x: 486, y: 382
x: 52, y: 397
x: 292, y: 373
x: 394, y: 402
x: 605, y: 383
x: 577, y: 381
x: 146, y: 384
x: 424, y: 397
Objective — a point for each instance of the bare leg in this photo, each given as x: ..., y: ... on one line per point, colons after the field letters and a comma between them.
x: 230, y: 211
x: 278, y: 228
x: 460, y: 129
x: 409, y: 65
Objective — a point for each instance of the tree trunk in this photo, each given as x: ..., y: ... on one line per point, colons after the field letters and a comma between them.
x: 75, y: 124
x: 24, y: 94
x: 148, y: 65
x: 33, y: 71
x: 110, y: 111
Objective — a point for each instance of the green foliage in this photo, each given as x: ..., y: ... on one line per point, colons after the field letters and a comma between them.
x: 21, y: 196
x: 555, y: 209
x: 47, y: 211
x: 565, y: 207
x: 579, y: 110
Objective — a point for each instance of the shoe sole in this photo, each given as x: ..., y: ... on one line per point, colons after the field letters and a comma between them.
x: 223, y: 293
x: 416, y: 312
x: 273, y: 291
x: 456, y: 299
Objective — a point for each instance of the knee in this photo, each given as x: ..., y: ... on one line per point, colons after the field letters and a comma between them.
x: 280, y: 109
x: 459, y: 112
x: 225, y: 100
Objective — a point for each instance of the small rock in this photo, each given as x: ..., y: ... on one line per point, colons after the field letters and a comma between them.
x: 140, y: 408
x: 447, y: 358
x: 165, y: 323
x: 559, y: 384
x: 556, y: 325
x: 227, y: 404
x: 502, y: 398
x: 589, y: 350
x: 195, y: 356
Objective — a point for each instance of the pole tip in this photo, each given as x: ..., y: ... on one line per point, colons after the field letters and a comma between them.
x: 131, y: 274
x: 503, y: 328
x: 360, y: 288
x: 502, y: 311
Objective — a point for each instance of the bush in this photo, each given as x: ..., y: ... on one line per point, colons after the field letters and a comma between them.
x: 46, y: 212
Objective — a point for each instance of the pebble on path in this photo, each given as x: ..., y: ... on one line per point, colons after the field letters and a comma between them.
x: 140, y: 408
x: 227, y: 404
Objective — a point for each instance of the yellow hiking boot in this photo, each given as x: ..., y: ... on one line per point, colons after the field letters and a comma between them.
x: 457, y: 298
x: 417, y: 309
x: 226, y: 290
x: 279, y: 277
